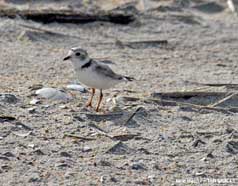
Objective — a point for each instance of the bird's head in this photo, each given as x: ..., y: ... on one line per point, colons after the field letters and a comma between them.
x: 77, y: 55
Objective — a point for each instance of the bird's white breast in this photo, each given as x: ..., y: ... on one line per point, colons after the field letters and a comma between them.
x: 92, y: 79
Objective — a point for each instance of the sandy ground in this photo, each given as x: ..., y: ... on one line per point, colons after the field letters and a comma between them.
x: 56, y: 143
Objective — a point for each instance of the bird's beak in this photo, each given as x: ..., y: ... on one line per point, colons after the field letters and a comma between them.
x: 67, y: 57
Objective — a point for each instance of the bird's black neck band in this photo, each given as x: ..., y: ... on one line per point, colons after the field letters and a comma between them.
x: 88, y: 64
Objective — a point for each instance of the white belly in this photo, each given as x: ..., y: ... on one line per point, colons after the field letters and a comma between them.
x: 94, y: 80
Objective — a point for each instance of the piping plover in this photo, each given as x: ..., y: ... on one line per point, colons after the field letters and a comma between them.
x: 94, y: 74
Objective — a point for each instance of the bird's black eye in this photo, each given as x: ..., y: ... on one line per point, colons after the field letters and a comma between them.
x: 77, y: 54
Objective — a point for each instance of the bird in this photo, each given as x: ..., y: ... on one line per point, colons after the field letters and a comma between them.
x: 93, y: 73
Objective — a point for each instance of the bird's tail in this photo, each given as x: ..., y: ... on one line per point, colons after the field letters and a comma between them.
x: 127, y: 78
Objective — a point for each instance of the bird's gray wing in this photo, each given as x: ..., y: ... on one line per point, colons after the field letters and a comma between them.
x: 107, y: 62
x: 106, y: 71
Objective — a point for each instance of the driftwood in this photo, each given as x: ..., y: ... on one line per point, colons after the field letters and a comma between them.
x: 103, y: 117
x: 99, y: 130
x: 7, y: 118
x: 47, y: 31
x: 189, y: 105
x: 132, y: 115
x: 227, y: 85
x: 164, y: 99
x: 125, y: 137
x: 141, y: 44
x: 67, y: 15
x: 78, y: 137
x: 223, y: 100
x: 187, y: 95
x: 199, y: 107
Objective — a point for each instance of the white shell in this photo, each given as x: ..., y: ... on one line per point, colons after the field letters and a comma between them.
x: 54, y: 94
x: 76, y: 87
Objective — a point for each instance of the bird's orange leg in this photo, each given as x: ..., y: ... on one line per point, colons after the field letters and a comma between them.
x: 89, y: 104
x: 100, y: 100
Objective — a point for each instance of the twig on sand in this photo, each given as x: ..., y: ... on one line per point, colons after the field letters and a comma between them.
x: 132, y: 115
x: 229, y: 85
x: 209, y: 132
x: 14, y: 121
x: 68, y: 15
x: 223, y: 100
x: 78, y: 137
x: 125, y: 137
x: 23, y: 126
x: 47, y: 31
x: 4, y: 118
x: 199, y: 107
x: 137, y: 44
x: 121, y: 137
x: 187, y: 94
x: 99, y: 130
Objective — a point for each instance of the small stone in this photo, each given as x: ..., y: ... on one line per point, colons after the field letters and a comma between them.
x: 8, y: 154
x: 102, y: 179
x: 34, y: 101
x: 119, y: 148
x: 65, y: 154
x: 210, y: 155
x: 63, y: 164
x: 38, y: 152
x: 31, y: 145
x: 232, y: 147
x: 104, y: 163
x: 53, y: 94
x: 36, y: 87
x: 31, y: 110
x: 8, y: 98
x: 4, y: 158
x: 63, y: 106
x: 113, y: 179
x: 152, y: 178
x: 86, y: 149
x: 22, y: 134
x: 197, y: 142
x: 46, y: 106
x: 35, y: 177
x: 186, y: 118
x: 138, y: 166
x: 69, y: 174
x: 76, y: 87
x: 6, y: 167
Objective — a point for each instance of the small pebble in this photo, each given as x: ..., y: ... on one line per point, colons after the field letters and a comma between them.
x: 102, y: 179
x: 34, y: 101
x: 8, y: 98
x: 31, y: 145
x: 152, y: 178
x: 86, y: 149
x: 53, y: 94
x: 76, y: 87
x: 138, y: 166
x: 22, y: 134
x: 232, y: 147
x: 63, y: 106
x: 8, y: 154
x: 35, y: 177
x: 38, y: 152
x: 104, y: 163
x: 31, y: 110
x: 65, y: 154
